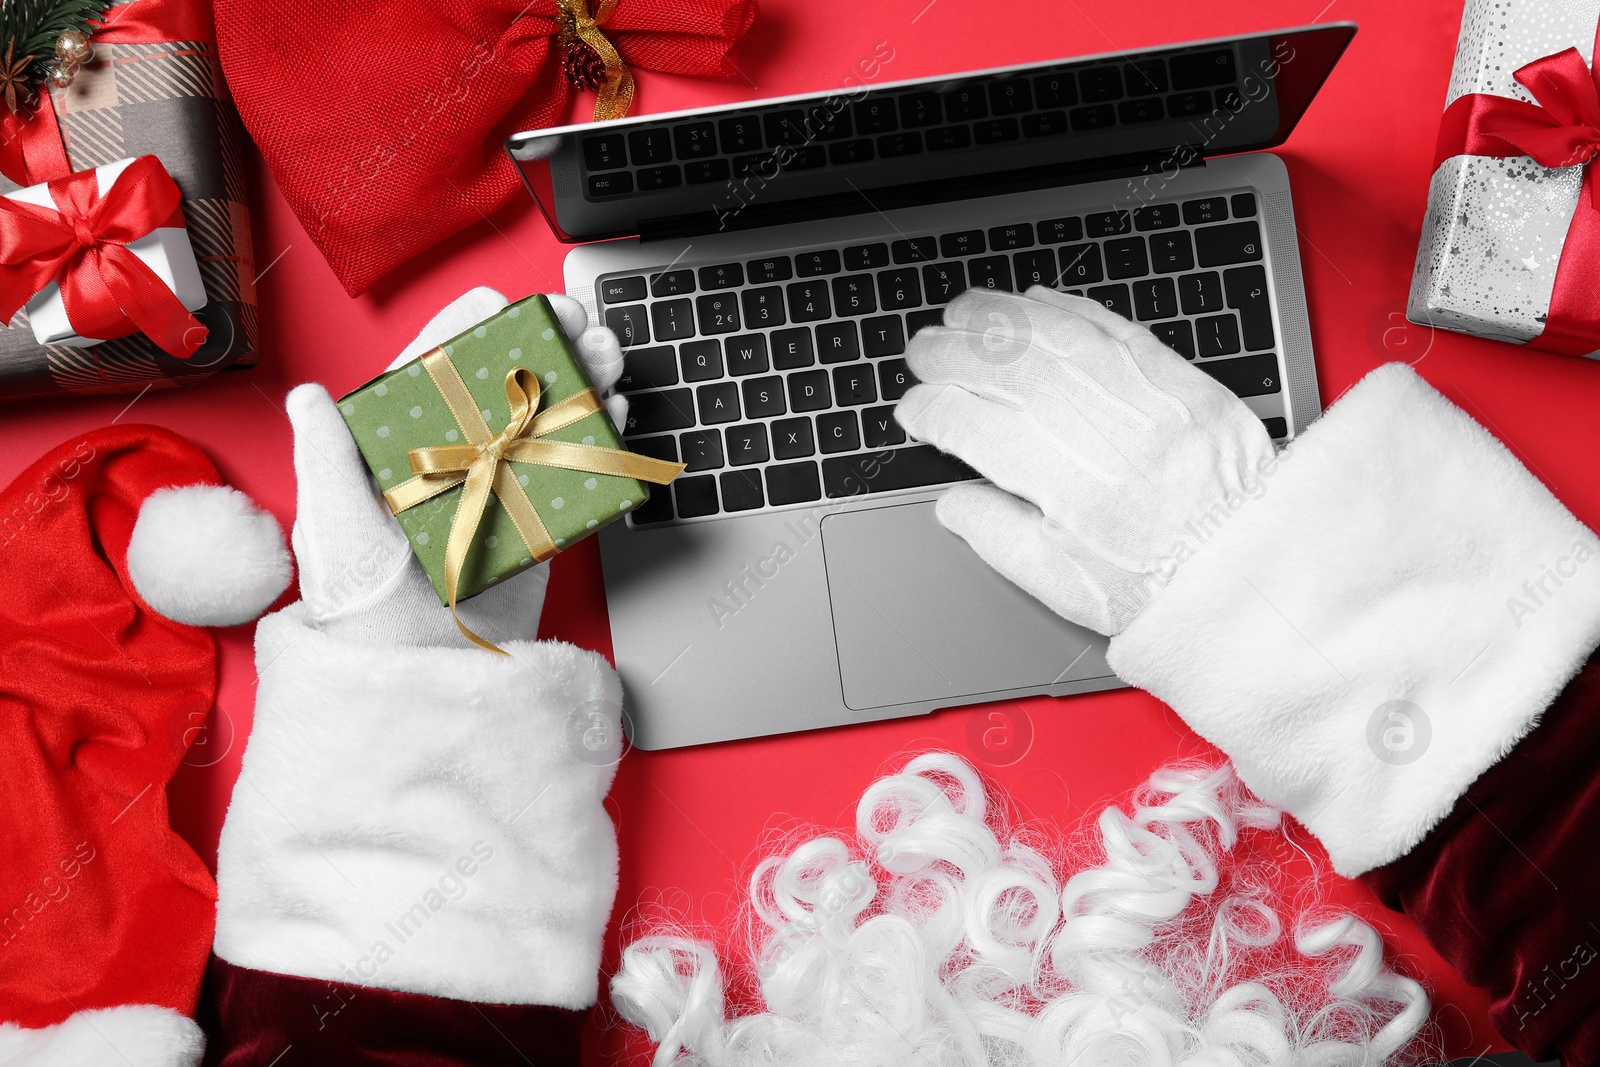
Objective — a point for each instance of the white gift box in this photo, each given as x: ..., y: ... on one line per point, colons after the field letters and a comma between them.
x: 165, y: 250
x: 1496, y: 228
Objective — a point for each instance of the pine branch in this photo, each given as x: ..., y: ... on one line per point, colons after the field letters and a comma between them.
x: 34, y: 25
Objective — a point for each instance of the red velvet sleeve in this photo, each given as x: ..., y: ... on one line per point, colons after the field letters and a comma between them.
x: 1507, y: 888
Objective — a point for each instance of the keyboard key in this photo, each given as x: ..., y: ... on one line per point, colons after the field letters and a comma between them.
x: 1277, y: 427
x: 1217, y: 335
x: 629, y: 324
x: 740, y: 134
x: 1155, y: 298
x: 719, y: 312
x: 1114, y: 297
x: 701, y: 360
x: 741, y: 490
x: 899, y: 289
x: 721, y: 276
x: 915, y: 250
x: 1125, y: 258
x: 658, y: 506
x: 854, y: 385
x: 672, y: 320
x: 806, y: 157
x: 990, y: 272
x: 656, y: 447
x: 651, y: 178
x: 1200, y: 212
x: 1108, y: 223
x: 1156, y: 217
x: 648, y: 368
x: 1171, y: 252
x: 793, y: 483
x: 966, y: 103
x: 1145, y: 76
x: 1080, y: 264
x: 1200, y: 69
x: 791, y: 438
x: 948, y: 138
x: 747, y: 444
x: 1133, y: 112
x: 829, y: 121
x: 621, y: 290
x: 696, y: 496
x: 604, y: 152
x: 1045, y: 124
x: 1178, y: 336
x: 672, y: 283
x: 747, y: 354
x: 895, y: 145
x: 1244, y: 205
x: 761, y: 165
x: 920, y: 109
x: 1094, y: 117
x: 1247, y: 294
x: 1055, y: 90
x: 1099, y: 83
x: 1036, y: 268
x: 718, y: 402
x: 916, y: 320
x: 837, y: 431
x: 965, y: 243
x: 1200, y: 293
x: 1238, y: 242
x: 775, y: 269
x: 792, y: 348
x: 883, y: 336
x: 785, y: 128
x: 876, y: 115
x: 878, y: 428
x: 894, y: 378
x: 1059, y: 231
x: 837, y: 342
x: 853, y: 295
x: 763, y: 307
x: 671, y: 409
x: 856, y: 151
x: 649, y: 147
x: 1188, y: 105
x: 702, y: 171
x: 1247, y: 375
x: 702, y: 450
x: 763, y: 397
x: 1007, y: 238
x: 943, y: 282
x: 616, y: 183
x: 899, y: 468
x: 996, y: 131
x: 866, y: 257
x: 1011, y: 96
x: 809, y: 391
x: 812, y: 264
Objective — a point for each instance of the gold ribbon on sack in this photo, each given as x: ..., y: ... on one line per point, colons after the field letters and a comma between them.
x: 616, y: 92
x: 482, y: 466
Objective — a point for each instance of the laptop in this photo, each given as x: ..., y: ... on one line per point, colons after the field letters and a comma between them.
x: 765, y: 263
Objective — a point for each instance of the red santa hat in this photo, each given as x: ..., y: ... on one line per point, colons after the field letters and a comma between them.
x: 114, y: 549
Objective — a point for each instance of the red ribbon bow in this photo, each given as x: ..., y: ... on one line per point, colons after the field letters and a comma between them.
x: 1561, y: 130
x: 107, y: 290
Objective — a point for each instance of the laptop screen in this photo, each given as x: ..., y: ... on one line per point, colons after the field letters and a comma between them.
x: 873, y: 147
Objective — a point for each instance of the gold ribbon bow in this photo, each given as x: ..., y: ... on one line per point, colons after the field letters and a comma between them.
x: 483, y: 465
x: 616, y: 93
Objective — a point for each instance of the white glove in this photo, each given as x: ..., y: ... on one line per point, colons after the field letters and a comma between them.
x: 1108, y: 441
x: 358, y: 576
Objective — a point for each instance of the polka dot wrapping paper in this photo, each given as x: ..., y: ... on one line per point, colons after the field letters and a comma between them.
x: 402, y: 409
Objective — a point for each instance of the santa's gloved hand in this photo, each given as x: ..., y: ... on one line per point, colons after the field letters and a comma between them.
x: 358, y: 575
x: 416, y: 858
x: 1101, y: 443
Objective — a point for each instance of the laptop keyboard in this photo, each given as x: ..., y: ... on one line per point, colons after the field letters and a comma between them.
x: 774, y: 380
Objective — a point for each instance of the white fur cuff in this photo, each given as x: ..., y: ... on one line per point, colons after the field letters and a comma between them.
x: 426, y: 820
x: 1381, y: 625
x: 138, y: 1035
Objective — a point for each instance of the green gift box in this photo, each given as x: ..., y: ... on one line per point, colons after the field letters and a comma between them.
x: 412, y: 408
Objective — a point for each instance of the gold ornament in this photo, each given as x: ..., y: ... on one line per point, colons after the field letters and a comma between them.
x: 14, y: 79
x: 60, y: 75
x: 73, y: 47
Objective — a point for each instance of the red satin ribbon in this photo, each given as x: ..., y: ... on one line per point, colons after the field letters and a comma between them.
x: 107, y: 290
x: 1561, y: 130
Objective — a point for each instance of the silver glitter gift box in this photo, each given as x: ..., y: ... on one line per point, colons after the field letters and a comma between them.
x: 1495, y: 228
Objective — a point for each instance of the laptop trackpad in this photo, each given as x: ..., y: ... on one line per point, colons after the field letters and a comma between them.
x: 917, y: 616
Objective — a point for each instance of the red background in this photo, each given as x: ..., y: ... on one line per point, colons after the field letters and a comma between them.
x: 691, y: 821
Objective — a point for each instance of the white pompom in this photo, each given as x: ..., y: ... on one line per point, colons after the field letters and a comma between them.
x: 205, y: 555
